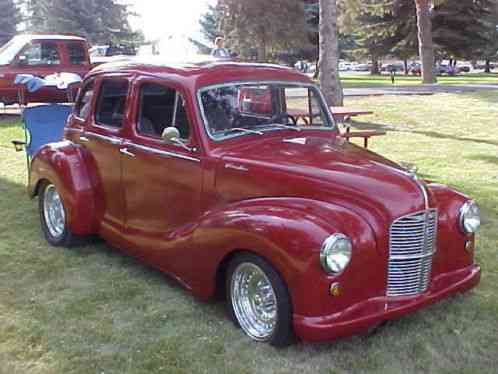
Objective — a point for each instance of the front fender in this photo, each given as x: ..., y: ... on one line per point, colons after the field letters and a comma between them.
x: 66, y: 165
x: 287, y: 232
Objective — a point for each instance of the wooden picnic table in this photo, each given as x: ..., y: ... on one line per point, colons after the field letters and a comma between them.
x: 341, y: 115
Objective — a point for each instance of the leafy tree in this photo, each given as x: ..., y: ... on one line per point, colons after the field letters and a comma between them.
x: 267, y: 26
x: 10, y: 19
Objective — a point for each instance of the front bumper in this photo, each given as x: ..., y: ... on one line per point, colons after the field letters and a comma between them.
x: 371, y: 312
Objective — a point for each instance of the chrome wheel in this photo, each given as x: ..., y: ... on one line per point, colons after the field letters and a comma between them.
x: 254, y: 301
x: 53, y: 212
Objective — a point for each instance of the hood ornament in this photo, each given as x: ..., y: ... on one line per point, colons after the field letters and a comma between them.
x: 410, y: 168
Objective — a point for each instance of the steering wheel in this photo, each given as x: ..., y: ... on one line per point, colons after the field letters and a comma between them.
x: 278, y: 117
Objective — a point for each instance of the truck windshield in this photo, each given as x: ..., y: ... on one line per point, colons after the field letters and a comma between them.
x: 238, y: 109
x: 10, y: 50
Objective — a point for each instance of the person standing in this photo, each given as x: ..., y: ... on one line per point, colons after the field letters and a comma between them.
x: 220, y: 51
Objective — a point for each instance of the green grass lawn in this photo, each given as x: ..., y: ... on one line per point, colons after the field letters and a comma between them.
x: 93, y: 310
x: 350, y: 80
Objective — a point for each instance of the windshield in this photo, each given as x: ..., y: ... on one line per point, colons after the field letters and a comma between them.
x: 238, y: 109
x: 11, y: 49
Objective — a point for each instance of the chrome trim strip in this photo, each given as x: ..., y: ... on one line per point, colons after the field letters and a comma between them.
x: 423, y: 189
x: 109, y: 139
x: 162, y: 153
x: 73, y: 129
x: 412, y: 257
x: 417, y: 181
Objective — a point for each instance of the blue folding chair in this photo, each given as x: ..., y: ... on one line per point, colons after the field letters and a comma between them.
x: 42, y: 125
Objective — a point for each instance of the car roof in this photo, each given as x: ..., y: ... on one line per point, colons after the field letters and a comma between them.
x: 202, y: 70
x: 29, y: 37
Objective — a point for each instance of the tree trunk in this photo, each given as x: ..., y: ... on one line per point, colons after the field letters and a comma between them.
x: 329, y: 54
x: 405, y: 62
x: 426, y: 47
x: 488, y: 67
x: 375, y: 67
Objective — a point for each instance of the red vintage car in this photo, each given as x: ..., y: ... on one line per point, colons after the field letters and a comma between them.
x: 304, y: 233
x: 40, y: 55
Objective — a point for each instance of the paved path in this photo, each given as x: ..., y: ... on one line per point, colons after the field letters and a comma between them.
x: 421, y: 89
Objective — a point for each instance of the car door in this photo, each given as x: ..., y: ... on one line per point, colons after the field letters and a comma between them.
x: 104, y: 117
x: 162, y: 181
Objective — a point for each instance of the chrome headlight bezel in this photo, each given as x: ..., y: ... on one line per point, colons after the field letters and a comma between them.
x: 469, y: 210
x: 336, y: 253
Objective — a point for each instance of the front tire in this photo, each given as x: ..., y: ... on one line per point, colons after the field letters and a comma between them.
x: 258, y: 300
x: 53, y: 217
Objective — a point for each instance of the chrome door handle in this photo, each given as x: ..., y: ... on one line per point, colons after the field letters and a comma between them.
x: 126, y: 152
x: 84, y: 139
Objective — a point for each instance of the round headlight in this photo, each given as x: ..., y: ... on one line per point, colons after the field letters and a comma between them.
x: 470, y: 217
x: 336, y: 253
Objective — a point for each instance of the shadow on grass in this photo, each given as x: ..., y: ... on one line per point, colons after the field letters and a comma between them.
x: 357, y: 125
x: 10, y: 120
x: 486, y: 158
x: 438, y: 135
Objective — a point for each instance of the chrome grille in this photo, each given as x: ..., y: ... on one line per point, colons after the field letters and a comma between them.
x: 412, y: 243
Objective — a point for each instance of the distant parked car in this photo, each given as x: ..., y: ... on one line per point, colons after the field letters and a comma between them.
x: 41, y: 56
x: 361, y: 67
x: 398, y: 68
x: 101, y: 54
x: 481, y: 65
x: 415, y: 69
x: 464, y: 67
x: 345, y: 66
x: 446, y: 69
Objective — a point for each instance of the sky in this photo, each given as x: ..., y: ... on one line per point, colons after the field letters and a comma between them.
x: 162, y: 19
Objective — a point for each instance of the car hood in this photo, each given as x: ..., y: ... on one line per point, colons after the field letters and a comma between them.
x: 325, y: 168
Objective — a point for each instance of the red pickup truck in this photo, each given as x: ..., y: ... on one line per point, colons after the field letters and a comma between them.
x: 40, y: 55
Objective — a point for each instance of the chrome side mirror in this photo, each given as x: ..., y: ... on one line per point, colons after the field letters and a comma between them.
x: 170, y: 134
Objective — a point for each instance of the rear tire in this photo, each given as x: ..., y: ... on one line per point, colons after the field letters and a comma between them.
x: 258, y: 300
x: 53, y: 217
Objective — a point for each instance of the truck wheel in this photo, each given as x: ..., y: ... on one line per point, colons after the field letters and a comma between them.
x: 258, y: 300
x: 53, y: 217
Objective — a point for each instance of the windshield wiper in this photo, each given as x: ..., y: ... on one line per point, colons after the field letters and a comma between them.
x: 280, y: 126
x: 240, y: 129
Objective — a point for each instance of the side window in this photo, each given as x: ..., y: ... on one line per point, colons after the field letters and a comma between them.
x: 111, y: 102
x: 40, y: 54
x: 161, y: 107
x: 77, y: 55
x: 84, y: 104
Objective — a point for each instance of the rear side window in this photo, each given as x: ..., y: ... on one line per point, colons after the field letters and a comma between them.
x: 84, y: 104
x: 111, y: 102
x: 77, y: 54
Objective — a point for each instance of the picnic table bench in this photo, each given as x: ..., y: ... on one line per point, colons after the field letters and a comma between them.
x: 341, y: 115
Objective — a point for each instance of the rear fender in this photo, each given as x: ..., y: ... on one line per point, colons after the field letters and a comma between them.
x: 68, y: 167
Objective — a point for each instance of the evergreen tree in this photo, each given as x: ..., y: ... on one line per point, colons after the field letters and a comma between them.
x: 462, y: 27
x: 211, y: 22
x: 263, y: 26
x: 10, y: 19
x: 100, y: 21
